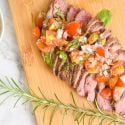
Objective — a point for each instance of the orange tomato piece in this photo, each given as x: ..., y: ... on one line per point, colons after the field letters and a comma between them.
x: 72, y: 28
x: 36, y: 32
x: 117, y: 68
x: 42, y: 46
x: 90, y: 68
x: 100, y: 51
x: 39, y: 21
x: 120, y: 83
x: 101, y: 79
x: 50, y: 37
x: 60, y: 42
x: 113, y: 81
x: 106, y: 93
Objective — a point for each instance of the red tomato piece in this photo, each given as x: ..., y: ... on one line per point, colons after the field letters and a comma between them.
x: 72, y: 28
x: 106, y: 93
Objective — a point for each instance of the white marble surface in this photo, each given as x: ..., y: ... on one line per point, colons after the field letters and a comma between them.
x: 10, y: 65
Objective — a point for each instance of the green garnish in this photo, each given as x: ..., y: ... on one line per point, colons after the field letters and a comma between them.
x: 59, y: 13
x: 63, y: 55
x: 74, y: 43
x: 48, y: 59
x: 105, y: 16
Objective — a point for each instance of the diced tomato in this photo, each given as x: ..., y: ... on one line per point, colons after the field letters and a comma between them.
x: 39, y: 21
x: 60, y: 42
x: 113, y: 81
x: 106, y: 93
x: 90, y: 68
x: 120, y: 83
x: 118, y: 92
x: 93, y: 38
x: 74, y: 56
x: 117, y: 68
x: 100, y: 51
x: 72, y: 28
x: 52, y: 23
x: 36, y: 32
x: 42, y: 46
x: 101, y: 79
x: 50, y: 36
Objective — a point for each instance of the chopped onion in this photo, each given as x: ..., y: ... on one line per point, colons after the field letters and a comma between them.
x: 59, y: 33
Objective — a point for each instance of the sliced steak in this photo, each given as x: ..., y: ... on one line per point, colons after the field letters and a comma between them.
x: 60, y: 68
x: 81, y: 86
x: 56, y: 58
x: 76, y: 74
x: 103, y: 103
x: 95, y: 25
x: 121, y: 56
x: 106, y: 34
x: 120, y: 105
x: 55, y: 5
x: 65, y: 72
x: 90, y: 87
x: 83, y: 17
x: 72, y: 13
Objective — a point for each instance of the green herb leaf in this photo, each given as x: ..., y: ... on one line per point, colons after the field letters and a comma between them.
x: 63, y: 55
x: 74, y: 43
x: 105, y: 16
x: 59, y: 13
x: 48, y: 59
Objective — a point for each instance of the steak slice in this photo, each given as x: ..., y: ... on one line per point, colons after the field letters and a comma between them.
x: 83, y: 17
x: 121, y: 56
x: 95, y: 25
x: 81, y: 86
x: 103, y: 103
x: 90, y: 87
x: 76, y: 74
x: 65, y: 72
x: 56, y: 58
x: 106, y: 34
x: 120, y: 105
x: 72, y: 13
x: 55, y: 5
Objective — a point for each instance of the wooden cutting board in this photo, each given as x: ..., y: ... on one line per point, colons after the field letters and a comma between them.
x: 37, y: 73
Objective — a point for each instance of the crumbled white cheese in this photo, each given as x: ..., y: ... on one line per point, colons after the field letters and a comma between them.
x: 71, y: 49
x: 94, y: 62
x: 105, y: 67
x: 83, y: 48
x: 82, y: 39
x: 101, y: 36
x: 81, y: 53
x: 80, y: 58
x: 60, y: 56
x: 59, y: 33
x: 90, y: 51
x: 65, y: 35
x: 105, y: 73
x: 109, y: 61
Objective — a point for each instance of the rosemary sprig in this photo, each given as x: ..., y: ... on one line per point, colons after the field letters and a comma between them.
x: 11, y: 88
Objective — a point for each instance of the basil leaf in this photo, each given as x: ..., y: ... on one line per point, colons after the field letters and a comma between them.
x: 48, y: 60
x: 63, y: 55
x: 74, y: 43
x: 105, y: 16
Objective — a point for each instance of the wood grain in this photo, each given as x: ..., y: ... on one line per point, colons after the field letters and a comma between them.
x: 37, y: 73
